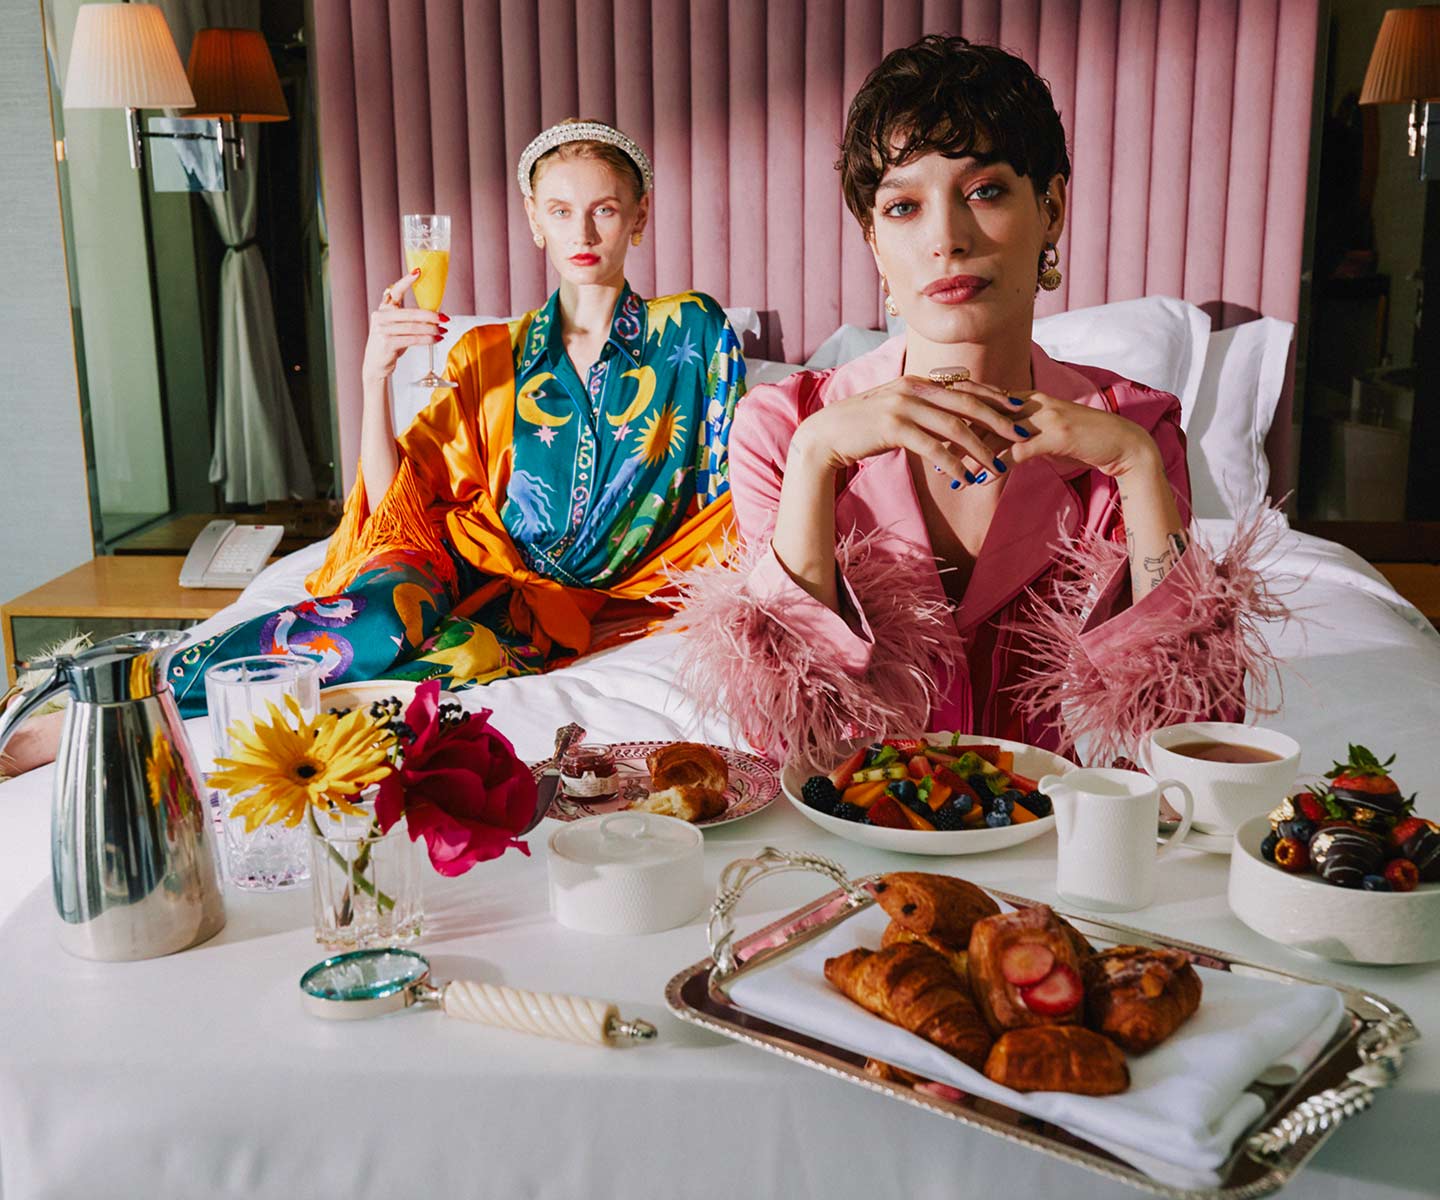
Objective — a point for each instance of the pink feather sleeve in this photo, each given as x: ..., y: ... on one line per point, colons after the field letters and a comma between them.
x: 748, y: 657
x: 1183, y: 655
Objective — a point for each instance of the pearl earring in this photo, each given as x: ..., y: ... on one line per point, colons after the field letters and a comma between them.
x: 540, y: 240
x: 890, y: 306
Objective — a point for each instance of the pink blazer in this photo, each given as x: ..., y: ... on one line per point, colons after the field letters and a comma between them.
x: 973, y: 660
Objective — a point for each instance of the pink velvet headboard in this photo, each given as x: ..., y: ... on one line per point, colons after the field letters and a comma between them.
x: 1190, y: 163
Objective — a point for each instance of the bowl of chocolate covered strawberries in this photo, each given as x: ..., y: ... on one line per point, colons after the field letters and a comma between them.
x: 1345, y: 868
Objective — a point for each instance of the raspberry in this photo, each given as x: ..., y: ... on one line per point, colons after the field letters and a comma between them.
x: 1404, y: 875
x: 820, y: 794
x: 1292, y: 856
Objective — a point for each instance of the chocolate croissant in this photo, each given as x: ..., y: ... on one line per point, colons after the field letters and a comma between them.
x: 958, y: 958
x: 938, y: 906
x: 1137, y: 996
x: 913, y: 987
x: 1058, y: 1058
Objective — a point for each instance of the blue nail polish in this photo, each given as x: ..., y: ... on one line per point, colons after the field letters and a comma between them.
x: 1021, y: 430
x: 1000, y: 466
x: 969, y: 478
x: 980, y: 478
x: 1016, y: 401
x: 954, y: 483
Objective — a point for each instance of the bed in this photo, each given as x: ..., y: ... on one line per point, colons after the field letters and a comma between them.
x: 199, y: 1074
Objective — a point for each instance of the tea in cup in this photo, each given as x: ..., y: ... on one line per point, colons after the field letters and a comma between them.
x: 1235, y: 772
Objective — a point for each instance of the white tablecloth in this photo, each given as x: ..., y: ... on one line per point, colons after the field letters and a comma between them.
x: 199, y: 1075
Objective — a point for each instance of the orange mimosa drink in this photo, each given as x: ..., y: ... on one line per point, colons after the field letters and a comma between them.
x: 434, y: 267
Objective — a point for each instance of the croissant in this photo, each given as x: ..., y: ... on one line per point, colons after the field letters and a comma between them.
x: 1138, y: 997
x: 958, y: 959
x: 1058, y: 1058
x: 939, y: 906
x: 687, y: 780
x: 913, y: 987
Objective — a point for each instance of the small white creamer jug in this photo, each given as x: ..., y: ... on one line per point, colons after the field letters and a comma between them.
x: 1106, y: 821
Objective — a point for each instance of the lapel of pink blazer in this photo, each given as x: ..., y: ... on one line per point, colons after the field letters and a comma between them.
x: 1038, y: 507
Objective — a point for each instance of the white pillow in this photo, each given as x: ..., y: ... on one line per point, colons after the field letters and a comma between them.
x: 847, y: 342
x: 764, y: 370
x: 1156, y: 340
x: 1239, y: 388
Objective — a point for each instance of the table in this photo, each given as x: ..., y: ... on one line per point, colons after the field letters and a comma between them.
x: 200, y: 1075
x: 106, y: 596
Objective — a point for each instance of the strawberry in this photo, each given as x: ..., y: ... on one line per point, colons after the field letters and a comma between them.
x: 1406, y: 829
x: 1026, y: 963
x: 1307, y: 805
x: 1055, y: 995
x: 919, y: 767
x: 842, y: 775
x: 905, y: 747
x: 888, y: 813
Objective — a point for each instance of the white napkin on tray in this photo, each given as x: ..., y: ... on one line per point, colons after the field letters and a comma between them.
x: 1186, y: 1106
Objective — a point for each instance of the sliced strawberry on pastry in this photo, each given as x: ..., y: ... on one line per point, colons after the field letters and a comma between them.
x: 1056, y: 994
x: 1026, y: 963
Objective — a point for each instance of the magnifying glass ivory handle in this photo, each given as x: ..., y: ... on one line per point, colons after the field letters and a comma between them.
x: 545, y: 1014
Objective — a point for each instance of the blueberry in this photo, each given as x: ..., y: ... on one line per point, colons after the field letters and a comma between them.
x: 961, y: 803
x: 1039, y: 804
x: 904, y: 790
x: 1267, y: 847
x: 1376, y: 883
x: 1300, y: 828
x: 997, y: 820
x: 1001, y: 804
x: 979, y: 783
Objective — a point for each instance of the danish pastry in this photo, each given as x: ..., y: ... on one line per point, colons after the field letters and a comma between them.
x: 1137, y: 996
x: 1024, y: 970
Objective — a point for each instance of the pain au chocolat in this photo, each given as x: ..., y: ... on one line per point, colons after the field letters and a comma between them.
x: 1138, y: 996
x: 936, y: 906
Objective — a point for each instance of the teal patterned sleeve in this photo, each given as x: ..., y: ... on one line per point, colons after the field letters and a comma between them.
x: 724, y: 386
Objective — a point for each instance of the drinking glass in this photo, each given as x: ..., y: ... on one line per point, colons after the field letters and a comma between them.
x: 273, y: 857
x: 427, y: 246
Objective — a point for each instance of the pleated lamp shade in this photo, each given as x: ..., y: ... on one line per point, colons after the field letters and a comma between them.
x: 234, y: 76
x: 123, y: 56
x: 1405, y: 64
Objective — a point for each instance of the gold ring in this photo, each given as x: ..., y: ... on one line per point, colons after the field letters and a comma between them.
x: 387, y: 298
x: 948, y: 375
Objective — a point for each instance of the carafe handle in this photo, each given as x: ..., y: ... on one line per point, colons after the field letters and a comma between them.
x: 57, y: 681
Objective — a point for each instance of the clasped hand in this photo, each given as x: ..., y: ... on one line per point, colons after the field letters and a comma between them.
x: 970, y: 430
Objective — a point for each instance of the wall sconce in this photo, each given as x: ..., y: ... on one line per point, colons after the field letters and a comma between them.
x: 233, y: 78
x: 1405, y: 68
x: 123, y: 56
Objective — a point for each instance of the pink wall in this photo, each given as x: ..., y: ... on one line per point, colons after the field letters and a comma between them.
x: 1189, y: 125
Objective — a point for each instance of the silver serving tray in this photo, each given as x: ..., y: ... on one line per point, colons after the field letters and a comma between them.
x: 1366, y: 1053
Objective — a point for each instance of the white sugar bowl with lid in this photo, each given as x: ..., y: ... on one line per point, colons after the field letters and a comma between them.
x: 626, y: 872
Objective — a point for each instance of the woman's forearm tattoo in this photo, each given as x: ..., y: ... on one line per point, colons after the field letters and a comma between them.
x: 1160, y: 565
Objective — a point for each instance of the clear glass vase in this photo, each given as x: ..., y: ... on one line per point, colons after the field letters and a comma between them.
x: 365, y: 885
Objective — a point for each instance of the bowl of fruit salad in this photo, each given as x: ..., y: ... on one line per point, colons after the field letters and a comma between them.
x: 941, y: 794
x: 1345, y: 869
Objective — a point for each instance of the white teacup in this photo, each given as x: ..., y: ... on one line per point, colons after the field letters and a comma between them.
x: 1227, y: 794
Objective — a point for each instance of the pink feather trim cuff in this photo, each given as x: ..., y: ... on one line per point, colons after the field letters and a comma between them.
x: 1182, y: 653
x: 747, y: 658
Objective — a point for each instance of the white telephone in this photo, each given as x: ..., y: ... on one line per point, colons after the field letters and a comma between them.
x: 227, y: 555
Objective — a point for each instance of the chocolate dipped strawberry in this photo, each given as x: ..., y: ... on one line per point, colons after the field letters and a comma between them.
x: 1362, y: 784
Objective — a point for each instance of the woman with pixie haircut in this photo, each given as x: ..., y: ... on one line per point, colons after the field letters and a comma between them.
x: 904, y: 512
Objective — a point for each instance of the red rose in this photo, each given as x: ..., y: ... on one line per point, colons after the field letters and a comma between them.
x: 460, y: 787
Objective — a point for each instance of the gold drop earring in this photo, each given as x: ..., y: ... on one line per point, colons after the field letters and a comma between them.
x: 1050, y: 276
x: 636, y: 238
x: 890, y: 306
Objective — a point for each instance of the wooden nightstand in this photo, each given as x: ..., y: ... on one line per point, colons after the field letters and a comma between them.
x: 1419, y: 583
x: 104, y: 597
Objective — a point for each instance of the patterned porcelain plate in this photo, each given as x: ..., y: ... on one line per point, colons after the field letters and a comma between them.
x: 754, y: 784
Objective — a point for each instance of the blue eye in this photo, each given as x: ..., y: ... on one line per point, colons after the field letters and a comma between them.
x: 994, y: 190
x: 893, y: 209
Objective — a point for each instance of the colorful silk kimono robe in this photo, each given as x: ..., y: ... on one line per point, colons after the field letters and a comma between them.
x: 534, y: 516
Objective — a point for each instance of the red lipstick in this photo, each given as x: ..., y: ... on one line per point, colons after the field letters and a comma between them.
x: 956, y: 289
x: 584, y: 260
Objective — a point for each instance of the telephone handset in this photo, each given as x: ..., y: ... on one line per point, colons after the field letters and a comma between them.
x: 227, y: 555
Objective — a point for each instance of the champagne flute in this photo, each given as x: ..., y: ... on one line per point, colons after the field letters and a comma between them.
x: 427, y: 246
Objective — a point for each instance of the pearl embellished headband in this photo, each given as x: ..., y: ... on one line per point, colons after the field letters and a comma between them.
x: 582, y: 131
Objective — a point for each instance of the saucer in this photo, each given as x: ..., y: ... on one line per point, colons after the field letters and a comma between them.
x: 1210, y: 843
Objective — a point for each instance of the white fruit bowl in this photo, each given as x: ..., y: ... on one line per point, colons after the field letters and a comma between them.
x: 1030, y: 761
x: 1342, y: 924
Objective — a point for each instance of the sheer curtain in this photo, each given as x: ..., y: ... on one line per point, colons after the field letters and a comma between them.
x: 258, y: 452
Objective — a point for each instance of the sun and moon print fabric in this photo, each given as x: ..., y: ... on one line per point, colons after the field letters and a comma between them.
x: 607, y: 476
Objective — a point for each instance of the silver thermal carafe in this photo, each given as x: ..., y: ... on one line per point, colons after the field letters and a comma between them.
x: 131, y: 845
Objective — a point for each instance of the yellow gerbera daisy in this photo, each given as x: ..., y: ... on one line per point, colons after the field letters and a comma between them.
x: 293, y: 764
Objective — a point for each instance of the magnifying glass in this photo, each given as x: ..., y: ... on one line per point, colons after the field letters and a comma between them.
x: 369, y: 983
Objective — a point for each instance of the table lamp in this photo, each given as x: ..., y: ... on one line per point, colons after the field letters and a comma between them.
x: 1405, y: 69
x: 234, y: 79
x: 123, y: 56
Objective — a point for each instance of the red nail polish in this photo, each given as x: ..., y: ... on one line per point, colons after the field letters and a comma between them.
x: 442, y: 316
x: 416, y: 271
x: 437, y: 337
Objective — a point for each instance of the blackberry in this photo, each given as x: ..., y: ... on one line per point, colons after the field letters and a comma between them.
x: 997, y: 820
x: 1267, y: 847
x: 820, y: 794
x: 949, y: 818
x: 847, y: 811
x: 980, y: 784
x: 1038, y: 803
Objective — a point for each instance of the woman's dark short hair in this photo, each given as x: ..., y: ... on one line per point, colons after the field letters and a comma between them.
x: 949, y: 96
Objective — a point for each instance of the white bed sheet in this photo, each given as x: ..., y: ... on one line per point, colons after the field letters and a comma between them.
x: 197, y: 1074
